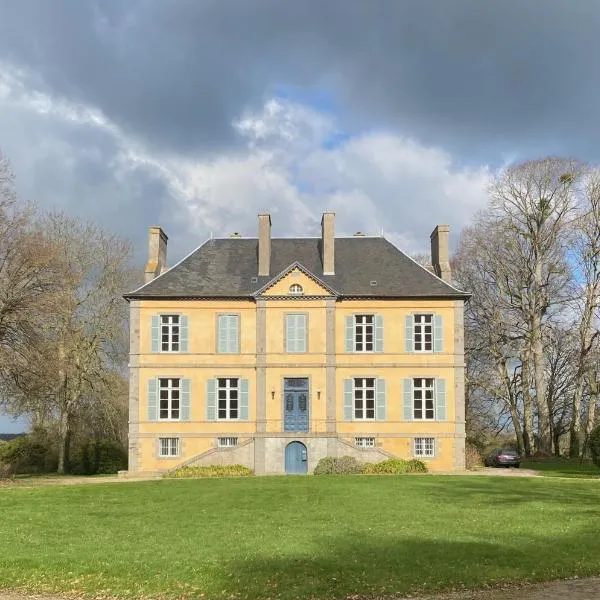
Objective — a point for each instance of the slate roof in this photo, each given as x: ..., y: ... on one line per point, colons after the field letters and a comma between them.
x: 226, y: 268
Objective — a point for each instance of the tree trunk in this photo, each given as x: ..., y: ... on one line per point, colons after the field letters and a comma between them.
x: 544, y: 433
x: 63, y: 441
x: 575, y: 425
x: 527, y: 405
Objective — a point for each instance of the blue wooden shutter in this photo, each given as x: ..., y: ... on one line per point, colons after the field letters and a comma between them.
x: 301, y: 333
x: 211, y: 399
x: 152, y: 399
x: 183, y: 333
x: 438, y: 333
x: 222, y: 333
x: 378, y: 333
x: 380, y: 400
x: 408, y: 400
x: 290, y: 339
x: 350, y: 334
x: 348, y: 400
x: 233, y: 334
x: 408, y: 333
x: 155, y: 333
x: 440, y: 399
x: 244, y: 399
x: 185, y: 399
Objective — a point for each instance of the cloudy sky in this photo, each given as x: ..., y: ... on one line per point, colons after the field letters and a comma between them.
x: 197, y: 114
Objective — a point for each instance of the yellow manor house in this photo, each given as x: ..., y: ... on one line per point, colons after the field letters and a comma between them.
x: 276, y: 352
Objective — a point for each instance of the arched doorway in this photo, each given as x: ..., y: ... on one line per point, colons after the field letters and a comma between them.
x: 296, y: 458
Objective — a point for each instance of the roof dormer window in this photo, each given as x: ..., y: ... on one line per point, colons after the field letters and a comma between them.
x: 296, y: 289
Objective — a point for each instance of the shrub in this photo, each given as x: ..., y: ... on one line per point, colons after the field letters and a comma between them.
x: 333, y: 465
x: 6, y: 470
x: 473, y: 457
x: 594, y: 442
x: 27, y: 454
x: 210, y: 471
x: 395, y: 466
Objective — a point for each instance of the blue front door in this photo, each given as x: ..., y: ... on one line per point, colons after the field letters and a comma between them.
x: 296, y: 458
x: 295, y: 404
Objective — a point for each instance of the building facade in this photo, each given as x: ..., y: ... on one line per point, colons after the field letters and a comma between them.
x: 274, y: 353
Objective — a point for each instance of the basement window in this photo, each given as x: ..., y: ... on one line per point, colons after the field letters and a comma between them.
x: 227, y: 442
x: 296, y: 289
x: 365, y: 442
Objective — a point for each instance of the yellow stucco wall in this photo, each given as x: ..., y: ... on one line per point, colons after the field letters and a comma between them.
x: 201, y: 363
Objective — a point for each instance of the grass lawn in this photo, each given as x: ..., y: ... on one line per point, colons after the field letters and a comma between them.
x: 297, y: 537
x: 562, y: 467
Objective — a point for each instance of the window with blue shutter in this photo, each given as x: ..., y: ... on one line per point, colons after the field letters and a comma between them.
x: 295, y: 333
x: 440, y: 397
x: 152, y: 399
x: 348, y: 399
x: 438, y: 334
x: 378, y: 333
x: 244, y: 399
x: 381, y: 400
x: 211, y: 399
x: 183, y: 333
x: 408, y: 334
x: 185, y: 398
x: 349, y: 334
x: 155, y: 333
x: 407, y: 395
x: 228, y: 334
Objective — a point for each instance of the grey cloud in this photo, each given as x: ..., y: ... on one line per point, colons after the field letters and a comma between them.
x: 478, y: 77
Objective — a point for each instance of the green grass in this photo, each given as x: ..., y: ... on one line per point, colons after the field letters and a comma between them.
x: 562, y: 467
x: 297, y: 537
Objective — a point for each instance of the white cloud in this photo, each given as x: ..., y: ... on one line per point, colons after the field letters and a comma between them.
x: 286, y: 165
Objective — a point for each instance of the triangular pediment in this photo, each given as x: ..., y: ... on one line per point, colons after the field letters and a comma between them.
x: 286, y: 284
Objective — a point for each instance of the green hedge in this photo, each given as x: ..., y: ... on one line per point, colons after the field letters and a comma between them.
x: 210, y: 471
x: 347, y: 465
x: 594, y: 442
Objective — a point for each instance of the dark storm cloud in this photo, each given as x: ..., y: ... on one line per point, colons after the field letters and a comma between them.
x: 474, y: 76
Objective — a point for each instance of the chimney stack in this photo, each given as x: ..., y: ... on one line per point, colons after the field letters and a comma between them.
x: 264, y: 244
x: 157, y: 253
x: 328, y: 243
x: 439, y: 252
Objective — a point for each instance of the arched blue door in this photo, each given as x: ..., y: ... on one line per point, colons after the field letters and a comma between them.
x: 296, y: 458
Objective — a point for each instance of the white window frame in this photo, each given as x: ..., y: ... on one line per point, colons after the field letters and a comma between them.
x: 172, y: 446
x: 296, y: 290
x: 362, y: 326
x: 426, y: 383
x: 364, y: 442
x: 228, y: 387
x: 363, y: 387
x: 424, y: 447
x: 425, y: 329
x: 227, y: 442
x: 173, y: 388
x: 170, y: 326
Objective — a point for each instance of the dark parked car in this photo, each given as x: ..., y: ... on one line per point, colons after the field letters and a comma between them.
x: 503, y: 457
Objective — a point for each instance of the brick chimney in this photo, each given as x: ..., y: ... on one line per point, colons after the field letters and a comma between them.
x: 439, y: 252
x: 264, y: 244
x: 157, y: 253
x: 328, y: 243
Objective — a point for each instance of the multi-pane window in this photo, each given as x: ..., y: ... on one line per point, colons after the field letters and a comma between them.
x: 169, y: 398
x: 423, y: 333
x: 295, y: 333
x: 364, y: 398
x: 169, y: 333
x: 365, y: 442
x: 364, y: 333
x: 423, y: 398
x: 228, y: 394
x: 424, y: 446
x: 228, y: 327
x: 296, y: 289
x: 227, y: 442
x: 168, y: 446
